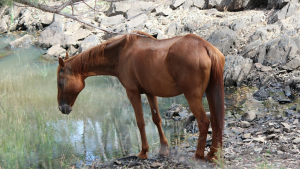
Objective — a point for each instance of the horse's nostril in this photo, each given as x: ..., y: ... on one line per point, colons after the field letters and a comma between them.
x: 59, y: 107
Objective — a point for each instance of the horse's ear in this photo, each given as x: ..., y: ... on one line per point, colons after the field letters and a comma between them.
x: 61, y: 62
x: 67, y: 56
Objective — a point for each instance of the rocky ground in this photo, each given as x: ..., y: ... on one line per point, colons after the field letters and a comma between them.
x: 261, y: 42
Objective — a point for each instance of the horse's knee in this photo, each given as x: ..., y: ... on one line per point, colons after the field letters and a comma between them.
x: 156, y: 120
x: 140, y: 124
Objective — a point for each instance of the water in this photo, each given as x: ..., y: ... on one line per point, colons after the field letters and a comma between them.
x: 102, y: 126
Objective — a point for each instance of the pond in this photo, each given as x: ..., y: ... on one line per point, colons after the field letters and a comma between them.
x: 102, y: 126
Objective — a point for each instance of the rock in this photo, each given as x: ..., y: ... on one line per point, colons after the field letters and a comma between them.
x: 245, y: 124
x: 247, y: 135
x: 47, y: 19
x: 137, y: 23
x: 21, y: 42
x: 259, y: 139
x: 176, y: 3
x: 293, y: 64
x: 296, y: 140
x: 156, y: 165
x: 161, y: 11
x: 249, y: 116
x: 88, y: 42
x: 199, y: 3
x: 111, y: 21
x: 270, y: 137
x: 118, y: 8
x: 259, y: 34
x: 287, y: 127
x: 3, y: 26
x: 289, y: 113
x: 54, y: 53
x: 173, y: 29
x: 284, y: 13
x: 238, y: 24
x: 236, y: 69
x: 158, y: 34
x: 117, y: 162
x: 224, y: 39
x: 279, y: 3
x: 72, y: 51
x: 284, y: 101
x: 257, y: 150
x: 81, y: 34
x: 54, y: 35
x: 71, y: 27
x: 232, y: 124
x: 137, y: 8
x: 296, y: 122
x: 261, y: 95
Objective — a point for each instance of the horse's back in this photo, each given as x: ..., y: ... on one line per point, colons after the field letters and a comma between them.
x: 163, y: 67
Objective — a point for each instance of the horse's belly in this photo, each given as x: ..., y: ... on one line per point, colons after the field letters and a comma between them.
x: 162, y: 89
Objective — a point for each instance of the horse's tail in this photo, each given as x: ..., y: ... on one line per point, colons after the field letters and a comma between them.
x: 215, y: 92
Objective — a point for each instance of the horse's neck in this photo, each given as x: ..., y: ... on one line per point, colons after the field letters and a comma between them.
x: 103, y: 62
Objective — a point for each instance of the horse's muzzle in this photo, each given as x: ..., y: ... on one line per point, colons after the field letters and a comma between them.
x: 65, y: 109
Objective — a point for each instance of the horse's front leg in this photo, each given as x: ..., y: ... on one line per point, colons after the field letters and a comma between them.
x: 157, y: 121
x: 135, y: 99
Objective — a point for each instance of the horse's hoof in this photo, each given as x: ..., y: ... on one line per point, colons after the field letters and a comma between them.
x: 164, y: 152
x: 143, y: 155
x: 198, y: 158
x: 211, y: 157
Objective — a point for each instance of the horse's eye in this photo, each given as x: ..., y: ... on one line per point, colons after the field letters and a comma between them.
x: 60, y: 84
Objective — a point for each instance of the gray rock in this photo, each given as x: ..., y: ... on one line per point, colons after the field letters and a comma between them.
x: 236, y: 69
x: 284, y: 13
x: 118, y: 8
x: 81, y: 34
x: 287, y: 127
x: 173, y: 29
x: 54, y: 35
x: 111, y: 21
x: 163, y: 11
x: 137, y: 8
x: 293, y: 64
x: 232, y: 123
x: 296, y: 121
x: 137, y: 23
x: 279, y: 3
x: 245, y: 124
x: 249, y: 116
x: 199, y: 3
x: 247, y: 136
x: 259, y: 139
x: 72, y: 51
x: 176, y: 3
x: 156, y: 165
x: 156, y: 33
x: 54, y: 53
x: 270, y: 137
x: 21, y: 42
x: 296, y: 140
x: 259, y: 34
x: 47, y: 18
x: 224, y: 39
x: 88, y: 42
x: 71, y: 27
x: 3, y: 26
x: 238, y: 24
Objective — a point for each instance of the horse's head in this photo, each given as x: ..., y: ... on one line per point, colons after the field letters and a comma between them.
x: 69, y: 85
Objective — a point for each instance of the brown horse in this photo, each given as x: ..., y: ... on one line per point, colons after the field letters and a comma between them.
x: 165, y: 68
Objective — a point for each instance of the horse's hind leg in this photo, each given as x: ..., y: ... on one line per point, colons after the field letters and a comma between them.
x: 157, y: 121
x: 194, y: 99
x: 135, y: 99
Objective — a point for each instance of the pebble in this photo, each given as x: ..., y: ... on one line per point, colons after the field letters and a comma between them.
x: 245, y: 124
x: 296, y: 140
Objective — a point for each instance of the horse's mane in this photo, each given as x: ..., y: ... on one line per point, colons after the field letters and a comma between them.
x: 94, y: 54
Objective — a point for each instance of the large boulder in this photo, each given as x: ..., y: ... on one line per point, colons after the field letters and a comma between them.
x: 137, y: 23
x: 287, y: 11
x: 54, y: 53
x: 236, y: 69
x: 118, y: 8
x: 3, y: 26
x: 137, y: 8
x: 81, y: 34
x: 88, y: 42
x: 279, y: 3
x: 224, y: 39
x: 21, y: 42
x: 111, y: 21
x: 54, y: 35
